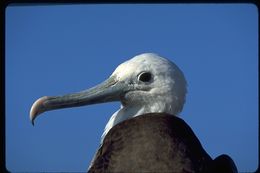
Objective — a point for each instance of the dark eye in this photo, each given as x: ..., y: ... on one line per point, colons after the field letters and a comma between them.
x: 145, y: 76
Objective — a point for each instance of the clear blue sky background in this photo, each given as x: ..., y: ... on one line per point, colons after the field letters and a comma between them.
x: 58, y: 49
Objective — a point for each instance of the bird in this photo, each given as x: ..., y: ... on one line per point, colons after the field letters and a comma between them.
x: 145, y: 134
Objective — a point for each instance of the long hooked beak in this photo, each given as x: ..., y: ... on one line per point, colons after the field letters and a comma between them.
x: 108, y: 91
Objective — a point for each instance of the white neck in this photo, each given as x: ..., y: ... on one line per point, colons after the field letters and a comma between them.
x: 126, y: 112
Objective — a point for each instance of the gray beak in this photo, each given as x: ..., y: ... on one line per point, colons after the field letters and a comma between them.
x: 108, y: 91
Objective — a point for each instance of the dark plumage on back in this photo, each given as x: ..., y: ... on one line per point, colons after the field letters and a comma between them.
x: 153, y: 143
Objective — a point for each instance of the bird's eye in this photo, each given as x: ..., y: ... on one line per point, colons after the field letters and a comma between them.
x: 145, y: 77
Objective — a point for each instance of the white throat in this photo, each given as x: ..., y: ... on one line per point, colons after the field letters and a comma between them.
x: 130, y: 111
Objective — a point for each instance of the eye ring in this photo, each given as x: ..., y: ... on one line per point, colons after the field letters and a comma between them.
x: 145, y: 77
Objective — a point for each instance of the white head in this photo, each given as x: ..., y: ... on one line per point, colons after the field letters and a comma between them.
x: 160, y: 87
x: 147, y: 83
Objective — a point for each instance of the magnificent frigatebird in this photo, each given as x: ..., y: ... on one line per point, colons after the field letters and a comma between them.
x: 152, y: 92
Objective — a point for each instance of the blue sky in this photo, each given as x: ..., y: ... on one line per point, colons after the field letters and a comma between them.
x: 59, y: 49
